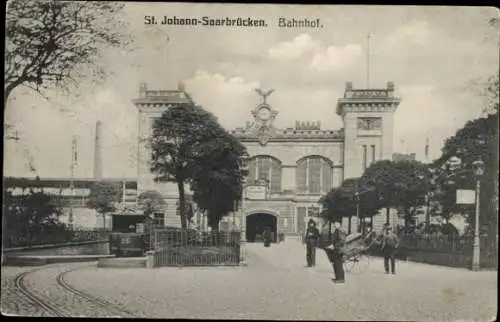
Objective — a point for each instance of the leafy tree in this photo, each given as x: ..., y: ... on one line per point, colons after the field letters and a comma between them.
x: 399, y: 184
x: 478, y: 139
x: 342, y: 201
x: 218, y: 181
x: 51, y: 42
x: 151, y: 202
x: 179, y: 146
x: 103, y: 198
x: 29, y: 217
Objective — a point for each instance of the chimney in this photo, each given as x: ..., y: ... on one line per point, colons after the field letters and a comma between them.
x: 98, y: 152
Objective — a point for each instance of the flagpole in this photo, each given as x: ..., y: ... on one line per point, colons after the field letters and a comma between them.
x: 368, y: 61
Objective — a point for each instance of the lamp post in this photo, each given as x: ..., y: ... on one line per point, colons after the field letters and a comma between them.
x: 357, y: 199
x: 244, y: 170
x: 478, y: 167
x: 235, y: 207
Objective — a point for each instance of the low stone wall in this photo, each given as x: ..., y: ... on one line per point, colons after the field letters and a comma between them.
x: 52, y: 246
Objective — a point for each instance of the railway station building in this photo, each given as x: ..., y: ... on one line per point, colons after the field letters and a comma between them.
x: 289, y: 168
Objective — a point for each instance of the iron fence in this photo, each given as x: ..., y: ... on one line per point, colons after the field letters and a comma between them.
x: 193, y: 248
x: 55, y: 236
x: 447, y: 250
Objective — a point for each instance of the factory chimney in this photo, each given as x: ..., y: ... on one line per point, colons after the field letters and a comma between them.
x: 98, y: 152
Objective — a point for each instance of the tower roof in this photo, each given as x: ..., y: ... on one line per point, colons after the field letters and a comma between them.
x: 374, y: 99
x: 177, y: 96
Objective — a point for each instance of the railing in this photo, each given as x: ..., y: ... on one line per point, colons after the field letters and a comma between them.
x: 446, y: 250
x: 54, y: 237
x: 188, y: 248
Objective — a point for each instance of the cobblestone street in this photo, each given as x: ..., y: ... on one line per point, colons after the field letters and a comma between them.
x: 274, y: 285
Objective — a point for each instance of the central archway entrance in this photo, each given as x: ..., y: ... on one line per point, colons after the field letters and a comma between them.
x: 256, y: 224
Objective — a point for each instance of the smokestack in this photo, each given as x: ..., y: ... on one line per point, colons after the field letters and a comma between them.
x: 98, y: 152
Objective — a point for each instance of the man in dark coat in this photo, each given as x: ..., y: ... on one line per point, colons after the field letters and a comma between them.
x: 390, y: 244
x: 311, y: 238
x: 267, y: 237
x: 335, y: 253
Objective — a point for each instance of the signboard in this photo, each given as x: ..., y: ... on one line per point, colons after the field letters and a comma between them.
x: 255, y: 192
x: 466, y: 197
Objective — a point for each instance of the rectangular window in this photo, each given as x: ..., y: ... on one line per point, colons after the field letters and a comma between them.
x: 252, y: 171
x: 364, y: 157
x: 275, y: 177
x: 263, y: 168
x: 314, y: 175
x: 327, y: 177
x: 302, y: 177
x: 373, y: 153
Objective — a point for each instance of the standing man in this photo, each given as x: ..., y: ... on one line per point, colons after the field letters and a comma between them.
x: 311, y: 238
x: 267, y: 237
x: 335, y: 253
x: 390, y: 244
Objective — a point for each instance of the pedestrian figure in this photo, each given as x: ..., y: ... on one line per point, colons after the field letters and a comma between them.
x: 267, y: 237
x: 390, y: 244
x: 335, y: 252
x: 311, y: 239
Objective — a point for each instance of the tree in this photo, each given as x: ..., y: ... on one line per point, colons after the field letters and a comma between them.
x: 342, y: 201
x: 51, y: 42
x: 478, y: 139
x: 27, y: 217
x: 103, y: 198
x: 218, y: 181
x: 180, y: 146
x: 151, y: 202
x: 399, y: 184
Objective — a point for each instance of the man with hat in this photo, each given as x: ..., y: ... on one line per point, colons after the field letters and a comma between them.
x: 311, y: 238
x: 390, y: 244
x: 335, y: 252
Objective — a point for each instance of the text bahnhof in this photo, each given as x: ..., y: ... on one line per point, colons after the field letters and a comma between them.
x: 207, y: 21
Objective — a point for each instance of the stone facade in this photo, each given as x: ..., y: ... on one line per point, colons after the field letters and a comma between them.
x: 290, y: 169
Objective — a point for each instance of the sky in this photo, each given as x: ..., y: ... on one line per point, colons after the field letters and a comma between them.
x: 430, y: 53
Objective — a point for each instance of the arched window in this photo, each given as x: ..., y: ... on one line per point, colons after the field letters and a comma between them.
x: 265, y: 167
x: 314, y: 175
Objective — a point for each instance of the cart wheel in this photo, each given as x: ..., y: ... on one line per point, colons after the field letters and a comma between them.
x: 349, y: 264
x: 357, y: 264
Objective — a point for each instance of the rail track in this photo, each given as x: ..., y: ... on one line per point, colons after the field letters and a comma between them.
x: 51, y: 309
x: 36, y: 300
x: 92, y: 299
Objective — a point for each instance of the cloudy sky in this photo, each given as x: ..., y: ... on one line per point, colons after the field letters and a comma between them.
x: 430, y: 53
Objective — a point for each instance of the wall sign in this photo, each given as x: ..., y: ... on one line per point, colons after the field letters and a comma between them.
x: 256, y: 192
x: 466, y: 197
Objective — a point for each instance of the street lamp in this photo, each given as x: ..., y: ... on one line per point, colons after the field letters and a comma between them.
x: 478, y: 168
x: 244, y: 171
x: 357, y: 199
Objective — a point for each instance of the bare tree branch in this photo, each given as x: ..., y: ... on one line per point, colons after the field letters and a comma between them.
x: 48, y: 42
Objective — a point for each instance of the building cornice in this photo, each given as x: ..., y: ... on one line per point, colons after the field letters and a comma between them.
x: 368, y: 100
x: 291, y: 135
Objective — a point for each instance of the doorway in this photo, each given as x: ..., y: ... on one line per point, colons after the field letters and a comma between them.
x: 257, y: 223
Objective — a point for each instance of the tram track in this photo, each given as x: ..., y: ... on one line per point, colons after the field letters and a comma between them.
x: 90, y: 298
x: 35, y: 300
x: 48, y: 306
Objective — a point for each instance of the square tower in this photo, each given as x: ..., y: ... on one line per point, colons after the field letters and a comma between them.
x: 151, y: 104
x: 367, y: 115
